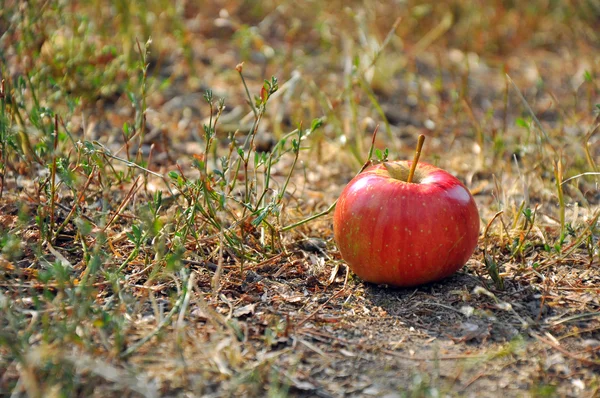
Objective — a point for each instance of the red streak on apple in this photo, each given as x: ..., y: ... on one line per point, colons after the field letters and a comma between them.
x: 390, y: 231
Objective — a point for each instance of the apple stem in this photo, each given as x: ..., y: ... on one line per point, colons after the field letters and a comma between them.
x: 413, y: 166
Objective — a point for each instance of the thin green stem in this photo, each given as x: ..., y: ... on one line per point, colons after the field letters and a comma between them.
x: 142, y: 122
x: 313, y: 217
x: 239, y: 69
x: 558, y: 174
x: 53, y: 182
x: 3, y: 130
x: 289, y: 176
x: 332, y: 206
x: 270, y: 163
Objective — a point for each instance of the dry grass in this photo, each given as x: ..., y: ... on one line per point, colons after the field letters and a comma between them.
x: 151, y: 236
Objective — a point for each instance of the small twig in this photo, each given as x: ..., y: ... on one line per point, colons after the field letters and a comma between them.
x: 106, y: 153
x: 487, y: 227
x: 58, y: 256
x: 442, y: 306
x: 216, y: 279
x: 311, y: 346
x: 77, y: 201
x: 312, y: 314
x: 128, y: 197
x: 156, y: 330
x: 473, y: 379
x: 267, y: 261
x: 436, y: 358
x: 587, y: 173
x: 575, y: 317
x: 186, y: 300
x: 371, y: 149
x: 585, y: 361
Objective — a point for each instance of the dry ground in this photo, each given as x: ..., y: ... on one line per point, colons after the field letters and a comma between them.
x: 107, y: 289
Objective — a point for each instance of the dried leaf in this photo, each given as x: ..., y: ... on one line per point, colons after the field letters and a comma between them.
x: 245, y: 310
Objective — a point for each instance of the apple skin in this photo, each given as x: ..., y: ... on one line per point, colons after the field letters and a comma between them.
x: 390, y: 231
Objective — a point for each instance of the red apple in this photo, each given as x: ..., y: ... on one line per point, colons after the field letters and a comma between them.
x: 404, y: 233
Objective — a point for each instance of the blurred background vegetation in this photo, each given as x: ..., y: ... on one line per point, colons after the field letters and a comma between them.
x: 121, y: 101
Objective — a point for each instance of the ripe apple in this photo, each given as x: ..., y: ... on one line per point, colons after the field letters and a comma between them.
x: 392, y: 231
